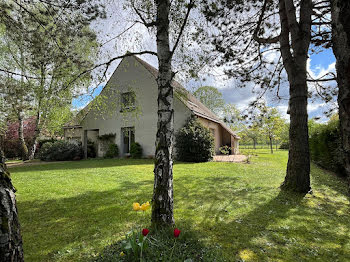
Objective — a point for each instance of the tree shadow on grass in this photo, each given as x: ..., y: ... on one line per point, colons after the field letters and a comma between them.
x: 324, y: 179
x: 283, y: 228
x: 258, y: 224
x: 66, y: 227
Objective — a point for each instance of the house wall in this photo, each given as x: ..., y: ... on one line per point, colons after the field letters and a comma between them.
x: 217, y: 131
x: 226, y: 137
x: 73, y: 133
x: 106, y: 116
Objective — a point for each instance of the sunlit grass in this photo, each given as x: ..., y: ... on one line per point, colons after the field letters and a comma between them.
x: 72, y: 211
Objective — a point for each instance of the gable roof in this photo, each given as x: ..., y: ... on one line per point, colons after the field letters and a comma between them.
x: 198, y: 108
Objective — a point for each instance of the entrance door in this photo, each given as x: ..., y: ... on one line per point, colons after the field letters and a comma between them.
x: 128, y: 137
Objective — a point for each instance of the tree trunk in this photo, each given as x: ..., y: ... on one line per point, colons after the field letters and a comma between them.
x: 298, y: 168
x: 10, y: 236
x: 254, y: 143
x: 24, y: 148
x: 35, y: 137
x: 162, y: 205
x: 341, y: 49
x: 271, y: 145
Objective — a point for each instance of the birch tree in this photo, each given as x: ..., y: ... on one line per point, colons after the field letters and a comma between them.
x: 163, y: 201
x: 57, y: 44
x: 11, y: 249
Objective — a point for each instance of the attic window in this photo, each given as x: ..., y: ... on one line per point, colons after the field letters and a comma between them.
x: 191, y: 103
x: 127, y: 101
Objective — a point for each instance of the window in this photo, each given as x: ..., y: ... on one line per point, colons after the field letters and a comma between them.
x: 127, y: 101
x: 128, y: 137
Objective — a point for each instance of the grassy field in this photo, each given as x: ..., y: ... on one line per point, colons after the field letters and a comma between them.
x: 72, y: 211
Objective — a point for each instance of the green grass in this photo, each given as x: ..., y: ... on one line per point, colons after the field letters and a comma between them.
x: 72, y: 211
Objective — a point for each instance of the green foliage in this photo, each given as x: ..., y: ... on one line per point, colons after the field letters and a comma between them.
x: 325, y: 146
x: 194, y: 142
x: 112, y: 151
x: 284, y: 145
x: 226, y: 150
x: 135, y: 150
x: 211, y: 97
x: 232, y: 116
x: 61, y: 150
x: 50, y: 46
x: 134, y: 244
x: 106, y: 140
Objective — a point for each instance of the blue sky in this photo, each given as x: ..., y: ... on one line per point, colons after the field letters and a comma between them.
x: 83, y: 100
x: 322, y: 59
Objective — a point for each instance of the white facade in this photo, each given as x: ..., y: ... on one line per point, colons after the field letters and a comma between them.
x: 106, y: 114
x: 106, y: 117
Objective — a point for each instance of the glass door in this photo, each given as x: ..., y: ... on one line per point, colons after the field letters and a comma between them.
x: 128, y: 137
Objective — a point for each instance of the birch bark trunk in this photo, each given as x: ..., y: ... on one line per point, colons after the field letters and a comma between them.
x: 24, y: 148
x: 35, y: 137
x: 295, y: 40
x: 162, y: 205
x: 341, y: 49
x: 10, y: 236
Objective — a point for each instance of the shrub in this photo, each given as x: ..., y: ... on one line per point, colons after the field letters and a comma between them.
x: 112, y: 151
x: 194, y: 142
x: 43, y: 141
x: 61, y: 150
x: 325, y: 147
x: 135, y: 150
x: 226, y: 150
x: 284, y: 145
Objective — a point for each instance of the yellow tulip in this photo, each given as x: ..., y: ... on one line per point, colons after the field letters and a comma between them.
x: 136, y: 206
x: 145, y: 206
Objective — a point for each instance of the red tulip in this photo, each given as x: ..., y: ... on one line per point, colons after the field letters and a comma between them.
x: 177, y: 232
x: 145, y: 231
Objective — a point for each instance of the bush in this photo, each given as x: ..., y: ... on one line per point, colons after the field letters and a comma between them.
x: 325, y: 147
x: 60, y: 151
x: 284, y: 145
x: 112, y: 151
x: 225, y: 150
x: 194, y: 142
x: 135, y: 150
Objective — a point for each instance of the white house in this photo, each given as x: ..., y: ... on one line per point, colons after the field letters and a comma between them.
x: 127, y: 107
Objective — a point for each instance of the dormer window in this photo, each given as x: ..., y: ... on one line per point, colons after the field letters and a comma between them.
x: 127, y: 101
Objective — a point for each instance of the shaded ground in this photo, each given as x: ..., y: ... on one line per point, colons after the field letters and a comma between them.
x: 72, y: 211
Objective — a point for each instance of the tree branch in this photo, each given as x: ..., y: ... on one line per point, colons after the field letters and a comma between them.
x: 17, y: 74
x: 189, y: 8
x: 147, y: 24
x: 260, y: 40
x: 108, y: 63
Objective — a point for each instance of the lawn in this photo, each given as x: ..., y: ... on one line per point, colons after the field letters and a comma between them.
x: 72, y: 211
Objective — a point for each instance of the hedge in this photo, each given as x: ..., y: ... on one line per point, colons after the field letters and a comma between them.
x: 325, y: 147
x: 61, y: 150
